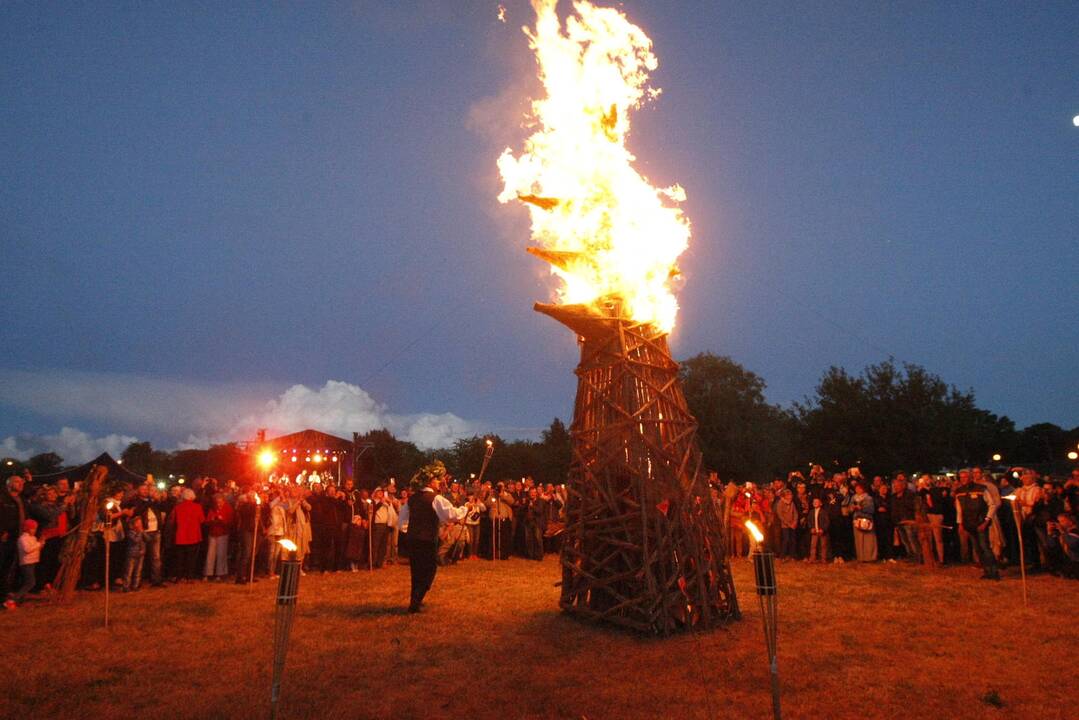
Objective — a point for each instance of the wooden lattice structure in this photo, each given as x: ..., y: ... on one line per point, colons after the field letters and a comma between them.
x: 644, y: 543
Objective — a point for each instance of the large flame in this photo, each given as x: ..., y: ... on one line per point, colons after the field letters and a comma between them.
x: 576, y: 175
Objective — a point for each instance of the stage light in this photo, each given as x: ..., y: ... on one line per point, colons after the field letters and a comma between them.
x: 1073, y: 455
x: 996, y: 457
x: 334, y: 458
x: 293, y: 458
x: 318, y: 458
x: 267, y: 458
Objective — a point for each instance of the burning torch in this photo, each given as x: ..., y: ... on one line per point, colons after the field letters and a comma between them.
x: 495, y: 519
x: 1022, y: 554
x: 764, y: 568
x: 105, y: 536
x: 255, y: 536
x: 287, y: 592
x: 370, y: 535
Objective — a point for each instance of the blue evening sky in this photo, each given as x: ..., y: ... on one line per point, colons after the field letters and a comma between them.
x: 246, y: 197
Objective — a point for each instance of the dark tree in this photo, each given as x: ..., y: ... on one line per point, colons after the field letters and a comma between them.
x: 741, y: 435
x: 45, y: 463
x: 556, y: 451
x: 140, y: 457
x: 895, y: 418
x: 387, y: 458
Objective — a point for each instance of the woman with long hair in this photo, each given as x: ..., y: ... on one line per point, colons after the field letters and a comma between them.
x: 865, y: 539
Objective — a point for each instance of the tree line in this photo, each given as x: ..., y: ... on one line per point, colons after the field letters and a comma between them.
x: 886, y: 418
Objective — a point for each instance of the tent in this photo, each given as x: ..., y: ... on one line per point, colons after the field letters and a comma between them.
x: 117, y: 472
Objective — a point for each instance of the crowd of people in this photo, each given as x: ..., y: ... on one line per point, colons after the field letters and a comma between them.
x: 972, y: 516
x: 211, y: 531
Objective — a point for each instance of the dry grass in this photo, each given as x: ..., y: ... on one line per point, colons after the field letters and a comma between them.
x: 860, y: 642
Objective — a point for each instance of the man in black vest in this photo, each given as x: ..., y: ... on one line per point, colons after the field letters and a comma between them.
x: 420, y: 518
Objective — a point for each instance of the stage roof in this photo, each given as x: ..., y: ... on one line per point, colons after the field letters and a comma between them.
x: 309, y: 440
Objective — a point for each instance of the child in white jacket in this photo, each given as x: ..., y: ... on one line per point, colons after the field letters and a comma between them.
x: 29, y: 548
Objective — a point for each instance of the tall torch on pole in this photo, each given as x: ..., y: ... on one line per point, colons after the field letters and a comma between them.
x: 255, y: 536
x: 287, y: 591
x: 486, y: 458
x: 764, y: 568
x: 106, y: 536
x: 487, y: 453
x: 1022, y: 554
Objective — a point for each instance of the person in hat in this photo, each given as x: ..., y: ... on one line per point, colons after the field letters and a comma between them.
x: 421, y: 517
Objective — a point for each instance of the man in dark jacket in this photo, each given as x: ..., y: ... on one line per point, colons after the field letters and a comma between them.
x: 323, y: 529
x: 12, y: 515
x: 535, y: 521
x: 150, y: 511
x: 973, y: 509
x: 904, y: 516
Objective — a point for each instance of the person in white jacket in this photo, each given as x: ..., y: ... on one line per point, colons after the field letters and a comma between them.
x: 29, y: 548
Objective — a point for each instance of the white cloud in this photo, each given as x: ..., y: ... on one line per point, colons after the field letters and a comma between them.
x: 202, y: 413
x: 341, y: 408
x: 73, y: 445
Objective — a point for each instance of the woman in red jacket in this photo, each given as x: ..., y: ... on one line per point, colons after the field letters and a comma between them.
x: 189, y: 518
x: 219, y: 522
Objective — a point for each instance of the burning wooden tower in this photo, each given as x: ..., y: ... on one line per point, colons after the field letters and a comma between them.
x: 643, y: 546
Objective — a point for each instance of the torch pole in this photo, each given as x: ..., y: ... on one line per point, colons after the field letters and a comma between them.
x: 487, y: 453
x: 496, y: 534
x: 370, y: 536
x: 254, y: 540
x: 764, y: 570
x: 105, y: 536
x: 1022, y: 552
x: 287, y: 592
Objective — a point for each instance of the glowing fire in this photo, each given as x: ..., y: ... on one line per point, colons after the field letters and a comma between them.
x: 623, y: 236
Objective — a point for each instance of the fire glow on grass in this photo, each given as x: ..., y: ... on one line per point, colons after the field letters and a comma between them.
x: 576, y: 175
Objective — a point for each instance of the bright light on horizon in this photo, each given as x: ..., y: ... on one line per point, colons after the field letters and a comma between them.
x: 1075, y: 121
x: 267, y: 458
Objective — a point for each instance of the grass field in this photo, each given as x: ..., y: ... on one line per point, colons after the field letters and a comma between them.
x: 855, y: 641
